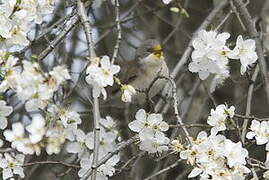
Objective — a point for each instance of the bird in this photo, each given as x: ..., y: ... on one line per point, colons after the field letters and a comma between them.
x: 149, y: 63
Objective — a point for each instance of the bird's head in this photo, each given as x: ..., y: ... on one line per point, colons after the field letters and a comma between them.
x: 150, y: 52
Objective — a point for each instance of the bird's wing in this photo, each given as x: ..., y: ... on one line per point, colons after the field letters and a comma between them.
x: 129, y: 75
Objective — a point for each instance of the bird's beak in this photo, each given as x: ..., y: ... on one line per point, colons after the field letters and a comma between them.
x: 157, y: 51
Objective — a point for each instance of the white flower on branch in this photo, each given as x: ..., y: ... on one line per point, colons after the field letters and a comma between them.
x: 101, y: 76
x: 40, y: 98
x: 9, y: 70
x: 70, y: 120
x: 16, y: 136
x: 245, y: 51
x: 58, y: 75
x: 128, y: 92
x: 235, y: 153
x: 35, y: 10
x: 108, y: 169
x: 259, y: 131
x: 106, y: 143
x: 85, y: 142
x: 54, y: 138
x: 36, y: 129
x: 218, y: 118
x: 4, y: 112
x: 157, y: 144
x: 12, y: 164
x: 32, y: 86
x: 103, y: 172
x: 210, y: 54
x: 147, y: 125
x: 216, y: 157
x: 150, y: 128
x: 79, y: 145
x: 16, y: 17
x: 176, y: 146
x: 109, y: 124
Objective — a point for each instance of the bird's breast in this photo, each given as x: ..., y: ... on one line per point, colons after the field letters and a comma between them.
x: 145, y: 81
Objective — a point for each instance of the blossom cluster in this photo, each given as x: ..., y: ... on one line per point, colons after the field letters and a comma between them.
x: 211, y: 54
x: 100, y: 74
x: 32, y: 85
x: 150, y: 129
x: 219, y: 118
x: 49, y: 133
x: 216, y: 157
x: 16, y: 17
x: 83, y: 145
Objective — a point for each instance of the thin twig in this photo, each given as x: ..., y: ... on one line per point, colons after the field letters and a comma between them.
x: 190, y: 126
x: 180, y: 19
x: 249, y: 101
x: 110, y: 154
x: 51, y: 162
x: 73, y: 22
x: 237, y: 16
x: 87, y: 27
x: 179, y: 120
x: 164, y: 170
x: 251, y: 117
x: 117, y: 45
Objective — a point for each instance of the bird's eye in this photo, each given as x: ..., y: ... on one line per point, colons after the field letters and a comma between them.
x: 149, y: 50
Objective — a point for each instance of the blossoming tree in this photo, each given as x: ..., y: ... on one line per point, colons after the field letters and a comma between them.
x: 146, y: 89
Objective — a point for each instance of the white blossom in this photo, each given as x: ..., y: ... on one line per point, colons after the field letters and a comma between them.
x: 59, y: 74
x: 235, y: 153
x: 79, y: 145
x: 105, y: 170
x: 36, y: 129
x: 16, y: 136
x: 106, y: 142
x: 108, y: 169
x: 218, y: 118
x: 128, y: 92
x: 109, y: 124
x: 210, y: 54
x: 55, y: 137
x: 4, y: 112
x: 101, y: 76
x: 259, y: 130
x: 12, y: 165
x: 176, y: 146
x: 17, y: 16
x: 147, y: 125
x: 9, y: 70
x: 245, y: 51
x: 216, y: 157
x: 150, y: 128
x: 159, y: 143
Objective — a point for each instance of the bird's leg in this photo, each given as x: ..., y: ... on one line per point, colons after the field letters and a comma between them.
x: 150, y: 105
